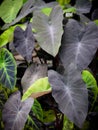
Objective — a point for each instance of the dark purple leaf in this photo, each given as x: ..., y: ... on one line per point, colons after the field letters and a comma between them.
x: 15, y: 112
x: 24, y: 42
x: 79, y: 44
x: 95, y: 15
x: 70, y: 92
x: 49, y: 29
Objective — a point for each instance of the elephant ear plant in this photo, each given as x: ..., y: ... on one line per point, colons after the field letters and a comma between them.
x: 64, y: 47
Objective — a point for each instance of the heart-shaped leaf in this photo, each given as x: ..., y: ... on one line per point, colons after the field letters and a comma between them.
x: 70, y: 93
x: 79, y: 44
x: 7, y: 69
x: 24, y: 42
x: 15, y: 112
x: 9, y: 9
x: 49, y: 29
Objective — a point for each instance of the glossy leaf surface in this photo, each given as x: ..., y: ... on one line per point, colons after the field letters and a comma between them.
x: 79, y: 44
x: 7, y: 69
x: 9, y: 9
x: 70, y: 92
x: 15, y: 112
x: 24, y: 42
x: 49, y: 29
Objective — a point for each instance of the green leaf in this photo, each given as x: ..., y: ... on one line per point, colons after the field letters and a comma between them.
x: 7, y: 69
x: 49, y: 116
x: 7, y: 36
x: 9, y: 9
x: 67, y: 124
x: 46, y: 11
x: 96, y: 21
x: 70, y: 10
x: 37, y: 109
x: 63, y: 2
x: 38, y: 88
x: 89, y: 79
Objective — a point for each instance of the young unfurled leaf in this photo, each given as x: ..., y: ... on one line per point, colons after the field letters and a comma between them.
x: 49, y: 29
x: 38, y: 88
x: 9, y: 9
x: 24, y: 42
x: 70, y: 92
x: 15, y: 112
x: 79, y: 44
x: 7, y: 69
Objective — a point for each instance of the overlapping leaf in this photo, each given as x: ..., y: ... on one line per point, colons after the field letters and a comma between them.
x: 9, y: 9
x: 15, y: 112
x: 7, y: 35
x: 49, y: 29
x: 28, y: 8
x: 7, y: 69
x: 24, y: 42
x: 35, y: 82
x: 34, y: 71
x: 79, y: 44
x: 70, y: 93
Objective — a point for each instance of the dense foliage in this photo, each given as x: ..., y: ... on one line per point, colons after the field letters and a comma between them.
x: 48, y: 55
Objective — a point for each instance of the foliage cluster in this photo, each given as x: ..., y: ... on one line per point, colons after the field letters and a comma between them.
x: 54, y: 44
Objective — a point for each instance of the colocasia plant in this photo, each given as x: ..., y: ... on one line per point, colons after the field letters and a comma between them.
x: 46, y: 50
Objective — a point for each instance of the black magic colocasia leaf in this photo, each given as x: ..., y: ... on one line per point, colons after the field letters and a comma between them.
x: 24, y: 42
x: 15, y: 112
x: 71, y: 94
x: 49, y: 29
x: 79, y: 44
